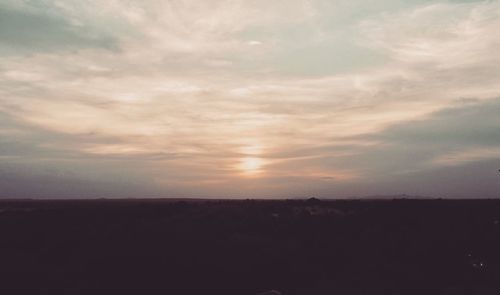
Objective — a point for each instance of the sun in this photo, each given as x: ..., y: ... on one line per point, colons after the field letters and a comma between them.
x: 251, y: 165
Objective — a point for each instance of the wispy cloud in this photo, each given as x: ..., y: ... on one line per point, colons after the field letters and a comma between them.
x: 186, y: 89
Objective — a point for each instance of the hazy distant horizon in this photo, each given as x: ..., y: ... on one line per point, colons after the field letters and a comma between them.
x: 236, y: 98
x: 246, y: 198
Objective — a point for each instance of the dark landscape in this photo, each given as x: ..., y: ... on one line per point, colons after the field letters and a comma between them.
x: 288, y: 247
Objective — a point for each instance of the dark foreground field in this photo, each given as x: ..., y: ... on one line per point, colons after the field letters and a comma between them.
x: 250, y: 247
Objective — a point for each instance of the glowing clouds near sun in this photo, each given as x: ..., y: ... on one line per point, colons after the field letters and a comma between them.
x: 251, y: 165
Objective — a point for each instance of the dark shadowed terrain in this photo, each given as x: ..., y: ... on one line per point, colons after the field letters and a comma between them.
x: 250, y: 247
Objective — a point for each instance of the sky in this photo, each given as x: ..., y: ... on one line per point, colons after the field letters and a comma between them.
x: 249, y: 98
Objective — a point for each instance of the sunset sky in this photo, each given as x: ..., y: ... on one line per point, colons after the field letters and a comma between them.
x: 249, y: 98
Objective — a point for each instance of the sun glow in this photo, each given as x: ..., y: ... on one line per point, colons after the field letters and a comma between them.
x: 251, y: 165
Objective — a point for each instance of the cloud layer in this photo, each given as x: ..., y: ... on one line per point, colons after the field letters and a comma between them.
x: 249, y: 98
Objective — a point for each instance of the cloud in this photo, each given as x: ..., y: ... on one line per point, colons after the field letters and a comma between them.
x: 452, y: 152
x: 184, y: 90
x: 34, y: 30
x: 467, y: 156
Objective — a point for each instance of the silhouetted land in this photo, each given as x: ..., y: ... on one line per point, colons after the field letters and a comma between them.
x: 249, y: 247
